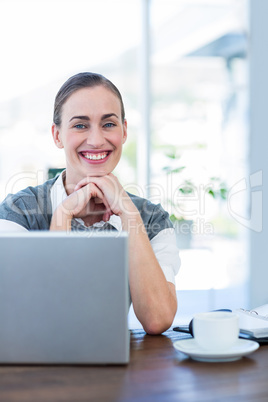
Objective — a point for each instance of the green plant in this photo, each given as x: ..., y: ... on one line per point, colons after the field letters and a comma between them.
x: 215, y: 187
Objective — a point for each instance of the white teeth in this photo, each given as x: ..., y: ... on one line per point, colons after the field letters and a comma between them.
x: 95, y: 157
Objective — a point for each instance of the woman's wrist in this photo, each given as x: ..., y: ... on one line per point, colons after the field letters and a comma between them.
x: 61, y: 219
x: 131, y: 219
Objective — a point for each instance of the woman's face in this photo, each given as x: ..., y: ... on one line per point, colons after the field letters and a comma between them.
x: 92, y: 133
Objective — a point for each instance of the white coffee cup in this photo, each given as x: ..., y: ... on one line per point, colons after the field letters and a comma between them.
x: 216, y: 330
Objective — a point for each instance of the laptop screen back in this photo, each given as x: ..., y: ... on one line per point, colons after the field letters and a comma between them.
x: 64, y: 298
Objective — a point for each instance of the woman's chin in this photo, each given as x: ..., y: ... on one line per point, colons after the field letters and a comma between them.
x: 98, y: 173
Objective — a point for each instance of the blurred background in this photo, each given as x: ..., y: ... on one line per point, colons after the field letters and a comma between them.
x: 182, y: 67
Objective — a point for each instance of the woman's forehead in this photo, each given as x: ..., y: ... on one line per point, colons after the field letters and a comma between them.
x: 92, y: 99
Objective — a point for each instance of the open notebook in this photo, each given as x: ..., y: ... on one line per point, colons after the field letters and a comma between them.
x: 254, y: 322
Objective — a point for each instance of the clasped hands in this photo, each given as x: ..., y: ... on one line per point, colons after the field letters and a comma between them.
x: 96, y: 198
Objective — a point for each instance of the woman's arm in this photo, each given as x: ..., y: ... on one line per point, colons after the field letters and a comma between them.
x: 10, y: 226
x: 154, y: 299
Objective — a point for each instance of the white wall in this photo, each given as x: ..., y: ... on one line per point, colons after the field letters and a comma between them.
x: 258, y: 54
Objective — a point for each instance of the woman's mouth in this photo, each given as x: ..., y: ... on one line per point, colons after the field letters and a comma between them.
x: 95, y: 156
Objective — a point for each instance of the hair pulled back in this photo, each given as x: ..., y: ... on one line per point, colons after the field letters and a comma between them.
x: 80, y: 81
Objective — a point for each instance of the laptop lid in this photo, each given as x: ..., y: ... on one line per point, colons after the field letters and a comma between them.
x: 64, y: 298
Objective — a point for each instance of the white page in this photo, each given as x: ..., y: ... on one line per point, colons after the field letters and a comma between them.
x: 252, y: 323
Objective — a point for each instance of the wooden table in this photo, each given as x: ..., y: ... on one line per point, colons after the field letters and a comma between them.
x: 156, y: 372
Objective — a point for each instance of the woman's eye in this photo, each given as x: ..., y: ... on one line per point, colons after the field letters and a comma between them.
x: 109, y: 125
x: 80, y: 126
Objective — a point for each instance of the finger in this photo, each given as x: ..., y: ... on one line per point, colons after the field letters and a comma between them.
x: 98, y: 180
x: 97, y: 183
x: 97, y: 200
x: 87, y: 193
x: 99, y: 197
x: 109, y: 186
x: 83, y: 182
x: 106, y: 216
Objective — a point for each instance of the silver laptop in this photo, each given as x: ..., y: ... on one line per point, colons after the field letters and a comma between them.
x: 64, y: 298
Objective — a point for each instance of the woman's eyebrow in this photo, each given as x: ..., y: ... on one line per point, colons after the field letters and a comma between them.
x: 80, y: 118
x: 103, y: 117
x: 106, y: 116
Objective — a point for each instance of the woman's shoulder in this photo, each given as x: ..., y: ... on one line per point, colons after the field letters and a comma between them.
x: 145, y: 205
x: 154, y: 217
x: 30, y: 206
x: 31, y: 191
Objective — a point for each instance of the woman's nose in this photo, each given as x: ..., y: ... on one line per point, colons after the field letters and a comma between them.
x: 95, y: 138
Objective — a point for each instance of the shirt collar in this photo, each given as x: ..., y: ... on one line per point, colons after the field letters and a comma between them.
x: 58, y: 194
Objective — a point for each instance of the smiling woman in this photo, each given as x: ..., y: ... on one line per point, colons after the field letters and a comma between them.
x: 90, y: 126
x: 91, y: 133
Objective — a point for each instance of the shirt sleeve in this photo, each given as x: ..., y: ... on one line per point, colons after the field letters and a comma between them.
x: 167, y: 253
x: 10, y: 226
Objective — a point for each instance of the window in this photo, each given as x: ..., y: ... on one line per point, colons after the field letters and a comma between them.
x: 199, y: 85
x: 199, y: 131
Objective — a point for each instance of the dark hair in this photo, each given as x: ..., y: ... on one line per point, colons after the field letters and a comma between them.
x: 79, y: 81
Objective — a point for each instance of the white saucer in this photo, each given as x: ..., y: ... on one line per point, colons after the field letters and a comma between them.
x: 242, y: 348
